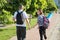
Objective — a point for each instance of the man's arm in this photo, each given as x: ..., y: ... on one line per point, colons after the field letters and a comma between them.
x: 14, y: 19
x: 28, y: 23
x: 14, y: 16
x: 26, y: 18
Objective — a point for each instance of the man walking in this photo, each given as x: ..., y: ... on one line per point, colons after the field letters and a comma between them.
x: 20, y: 16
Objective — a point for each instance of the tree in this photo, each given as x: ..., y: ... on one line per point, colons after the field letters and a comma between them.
x: 31, y: 6
x: 51, y: 5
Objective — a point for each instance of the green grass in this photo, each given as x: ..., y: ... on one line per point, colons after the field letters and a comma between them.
x: 7, y: 33
x: 33, y: 21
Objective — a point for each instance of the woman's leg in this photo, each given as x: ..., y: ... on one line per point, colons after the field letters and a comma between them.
x: 41, y: 34
x: 44, y: 33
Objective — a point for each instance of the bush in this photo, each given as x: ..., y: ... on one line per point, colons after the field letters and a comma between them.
x: 7, y: 17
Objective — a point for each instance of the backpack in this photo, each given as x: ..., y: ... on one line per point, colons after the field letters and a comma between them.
x: 19, y: 18
x: 45, y: 22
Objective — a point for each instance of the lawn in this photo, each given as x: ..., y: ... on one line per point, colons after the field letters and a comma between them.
x: 7, y: 33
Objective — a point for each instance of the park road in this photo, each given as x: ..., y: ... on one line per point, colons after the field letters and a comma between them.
x: 52, y: 31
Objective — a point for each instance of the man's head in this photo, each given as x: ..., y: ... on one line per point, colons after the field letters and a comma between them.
x: 21, y: 6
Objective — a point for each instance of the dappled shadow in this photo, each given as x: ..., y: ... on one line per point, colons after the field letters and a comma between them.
x: 6, y: 29
x: 9, y: 29
x: 1, y: 29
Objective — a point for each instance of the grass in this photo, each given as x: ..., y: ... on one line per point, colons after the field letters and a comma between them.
x: 33, y: 22
x: 7, y: 33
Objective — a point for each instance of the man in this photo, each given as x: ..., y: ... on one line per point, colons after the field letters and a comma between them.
x: 20, y: 22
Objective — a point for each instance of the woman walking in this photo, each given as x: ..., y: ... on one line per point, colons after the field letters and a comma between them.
x: 40, y: 21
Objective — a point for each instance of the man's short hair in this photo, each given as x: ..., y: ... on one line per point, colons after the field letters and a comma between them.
x: 20, y: 6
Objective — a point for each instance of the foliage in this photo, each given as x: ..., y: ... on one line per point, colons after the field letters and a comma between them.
x: 6, y: 17
x: 31, y: 6
x: 51, y: 6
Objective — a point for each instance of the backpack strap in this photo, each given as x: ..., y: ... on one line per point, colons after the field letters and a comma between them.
x: 44, y: 19
x: 20, y: 13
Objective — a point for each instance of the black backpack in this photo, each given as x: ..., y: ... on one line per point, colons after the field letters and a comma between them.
x: 19, y: 18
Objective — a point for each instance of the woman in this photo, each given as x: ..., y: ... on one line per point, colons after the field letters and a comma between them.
x: 42, y: 30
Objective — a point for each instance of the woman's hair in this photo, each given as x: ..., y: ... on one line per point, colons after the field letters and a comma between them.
x: 40, y: 10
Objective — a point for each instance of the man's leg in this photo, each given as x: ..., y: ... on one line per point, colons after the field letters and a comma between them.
x: 23, y: 33
x: 18, y: 33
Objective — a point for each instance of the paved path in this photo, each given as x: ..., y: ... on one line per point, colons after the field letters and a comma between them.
x: 52, y: 31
